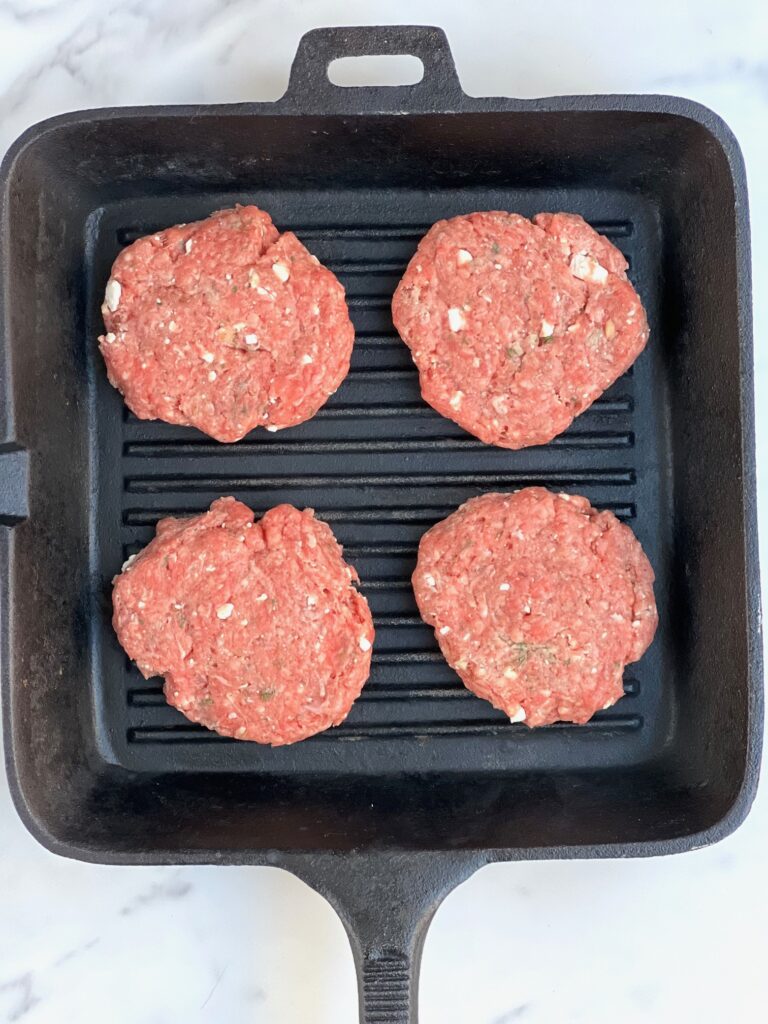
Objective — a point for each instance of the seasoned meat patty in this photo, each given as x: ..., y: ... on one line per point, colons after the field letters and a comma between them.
x: 256, y: 626
x: 517, y: 326
x: 538, y: 602
x: 225, y: 325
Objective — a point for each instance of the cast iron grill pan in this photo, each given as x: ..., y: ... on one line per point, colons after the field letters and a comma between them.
x: 380, y: 466
x: 423, y: 783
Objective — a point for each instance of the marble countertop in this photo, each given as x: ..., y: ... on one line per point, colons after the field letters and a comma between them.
x: 665, y: 940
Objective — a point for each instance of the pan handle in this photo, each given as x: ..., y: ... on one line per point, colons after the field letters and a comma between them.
x: 386, y: 902
x: 310, y: 90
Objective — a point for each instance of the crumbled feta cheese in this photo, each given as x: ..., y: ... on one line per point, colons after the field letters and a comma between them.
x: 128, y: 562
x: 504, y: 586
x: 456, y: 319
x: 109, y: 337
x: 225, y: 610
x: 609, y: 704
x: 547, y: 329
x: 429, y: 580
x: 240, y: 731
x: 172, y: 326
x: 365, y: 643
x: 519, y: 716
x: 232, y: 714
x: 272, y: 430
x: 251, y: 339
x: 610, y: 329
x: 445, y: 630
x: 455, y: 400
x: 509, y: 673
x: 262, y: 597
x: 208, y: 357
x: 212, y: 376
x: 588, y: 269
x: 281, y: 272
x: 112, y: 294
x: 188, y: 246
x: 306, y: 360
x: 463, y: 256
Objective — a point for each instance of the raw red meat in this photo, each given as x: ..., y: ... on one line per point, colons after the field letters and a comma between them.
x: 517, y: 327
x: 257, y: 627
x: 538, y: 602
x: 225, y: 325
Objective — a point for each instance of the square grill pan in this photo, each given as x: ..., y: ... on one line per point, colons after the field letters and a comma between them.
x: 381, y: 467
x: 423, y: 783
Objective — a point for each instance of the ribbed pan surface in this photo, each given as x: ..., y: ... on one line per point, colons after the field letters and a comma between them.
x: 380, y: 466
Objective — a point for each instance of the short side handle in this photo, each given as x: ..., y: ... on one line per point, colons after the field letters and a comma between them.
x: 386, y: 902
x: 14, y: 484
x: 310, y: 89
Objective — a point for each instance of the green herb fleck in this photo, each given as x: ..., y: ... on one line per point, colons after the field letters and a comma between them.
x: 523, y: 651
x: 266, y: 694
x: 495, y: 248
x: 234, y: 287
x: 206, y: 702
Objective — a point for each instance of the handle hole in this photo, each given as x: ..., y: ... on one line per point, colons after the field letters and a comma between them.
x: 381, y: 69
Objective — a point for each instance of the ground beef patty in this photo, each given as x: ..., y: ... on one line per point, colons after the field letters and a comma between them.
x: 517, y: 327
x: 225, y: 325
x: 538, y: 602
x: 256, y: 627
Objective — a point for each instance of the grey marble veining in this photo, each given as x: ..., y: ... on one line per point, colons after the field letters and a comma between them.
x: 557, y: 943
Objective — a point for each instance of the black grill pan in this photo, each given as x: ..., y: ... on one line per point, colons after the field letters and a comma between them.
x: 423, y: 783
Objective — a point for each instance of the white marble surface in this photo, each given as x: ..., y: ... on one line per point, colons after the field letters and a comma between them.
x: 628, y: 941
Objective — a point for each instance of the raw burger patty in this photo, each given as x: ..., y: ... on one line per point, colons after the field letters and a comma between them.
x: 538, y: 602
x: 225, y: 325
x: 256, y: 627
x: 517, y: 327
